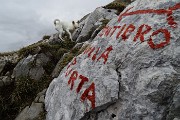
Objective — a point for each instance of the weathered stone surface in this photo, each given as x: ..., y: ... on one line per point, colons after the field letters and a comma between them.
x: 22, y: 68
x: 31, y: 66
x: 36, y: 110
x: 129, y: 73
x: 54, y: 39
x: 86, y: 27
x: 31, y: 113
x: 2, y: 65
x: 174, y: 109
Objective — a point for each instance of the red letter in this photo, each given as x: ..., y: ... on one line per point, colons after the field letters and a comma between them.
x: 87, y: 50
x: 73, y: 77
x: 129, y: 29
x: 108, y: 31
x: 105, y: 54
x: 140, y: 33
x: 119, y: 33
x: 94, y: 56
x: 92, y: 50
x: 91, y: 98
x: 162, y: 44
x: 103, y: 31
x: 115, y: 27
x: 68, y: 72
x: 72, y: 63
x: 83, y: 79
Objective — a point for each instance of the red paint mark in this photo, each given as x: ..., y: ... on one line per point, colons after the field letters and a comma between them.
x: 83, y: 80
x: 108, y: 31
x: 140, y: 33
x: 68, y: 72
x: 72, y: 63
x: 129, y: 29
x: 168, y: 13
x: 177, y: 6
x: 162, y: 44
x: 87, y: 50
x: 91, y: 97
x: 91, y: 51
x: 102, y: 31
x: 115, y: 27
x: 73, y: 77
x: 94, y: 56
x: 119, y: 33
x: 105, y: 54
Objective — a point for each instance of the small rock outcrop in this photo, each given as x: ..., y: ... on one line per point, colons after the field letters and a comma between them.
x: 31, y: 66
x: 130, y: 70
x: 36, y: 110
x: 91, y: 23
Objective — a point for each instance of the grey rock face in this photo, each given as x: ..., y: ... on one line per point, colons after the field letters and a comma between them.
x: 130, y: 72
x: 54, y: 39
x: 31, y: 66
x: 2, y: 65
x: 35, y: 110
x: 87, y: 26
x: 31, y: 113
x: 174, y: 109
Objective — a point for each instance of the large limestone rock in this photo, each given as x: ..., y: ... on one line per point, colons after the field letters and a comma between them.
x: 31, y: 112
x: 130, y: 71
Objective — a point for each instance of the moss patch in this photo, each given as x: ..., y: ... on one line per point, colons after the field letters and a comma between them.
x: 104, y: 23
x: 45, y: 47
x: 119, y: 6
x: 67, y: 58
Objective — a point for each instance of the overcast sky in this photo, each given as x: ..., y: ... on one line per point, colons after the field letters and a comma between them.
x: 24, y: 22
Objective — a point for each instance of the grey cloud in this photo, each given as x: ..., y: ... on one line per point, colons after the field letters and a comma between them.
x: 24, y: 22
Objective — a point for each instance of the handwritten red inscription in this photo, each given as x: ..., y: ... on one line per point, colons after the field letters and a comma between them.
x: 103, y: 55
x: 124, y: 31
x: 141, y: 32
x: 168, y: 13
x: 162, y: 44
x: 89, y: 93
x: 89, y: 97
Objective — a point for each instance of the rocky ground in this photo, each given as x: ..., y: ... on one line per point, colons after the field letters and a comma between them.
x: 118, y: 68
